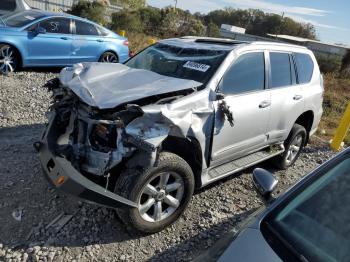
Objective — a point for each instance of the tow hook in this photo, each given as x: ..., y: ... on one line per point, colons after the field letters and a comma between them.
x: 37, y: 145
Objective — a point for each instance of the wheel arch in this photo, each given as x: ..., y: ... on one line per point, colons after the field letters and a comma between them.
x: 188, y: 149
x: 18, y: 50
x: 306, y: 120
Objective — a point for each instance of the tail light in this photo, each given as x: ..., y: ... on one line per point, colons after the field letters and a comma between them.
x: 126, y: 42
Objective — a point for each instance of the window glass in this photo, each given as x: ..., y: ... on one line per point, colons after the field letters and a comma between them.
x: 181, y: 62
x: 83, y: 28
x: 280, y: 70
x: 317, y: 222
x: 8, y: 5
x: 56, y: 25
x: 21, y: 19
x: 245, y: 75
x: 305, y: 67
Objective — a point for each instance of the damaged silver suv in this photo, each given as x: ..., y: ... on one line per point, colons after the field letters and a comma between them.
x: 181, y: 114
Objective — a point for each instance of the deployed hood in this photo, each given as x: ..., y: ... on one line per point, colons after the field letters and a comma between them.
x: 106, y: 86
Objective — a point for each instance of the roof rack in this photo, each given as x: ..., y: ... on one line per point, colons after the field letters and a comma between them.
x: 221, y: 41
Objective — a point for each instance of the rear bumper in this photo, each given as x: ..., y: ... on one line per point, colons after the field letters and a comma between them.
x: 61, y: 173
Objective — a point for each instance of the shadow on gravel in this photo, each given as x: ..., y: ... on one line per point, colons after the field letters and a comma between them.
x: 42, y: 69
x: 215, y: 237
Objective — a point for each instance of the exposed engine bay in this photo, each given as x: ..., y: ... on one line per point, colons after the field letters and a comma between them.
x: 96, y: 134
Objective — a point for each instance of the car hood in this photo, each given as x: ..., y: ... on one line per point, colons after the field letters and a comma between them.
x: 109, y: 85
x: 249, y: 246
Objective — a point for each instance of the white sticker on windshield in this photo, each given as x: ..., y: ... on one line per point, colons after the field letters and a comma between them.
x: 29, y: 17
x: 197, y: 66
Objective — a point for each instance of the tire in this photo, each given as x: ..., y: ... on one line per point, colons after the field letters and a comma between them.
x: 293, y: 146
x: 137, y: 185
x: 108, y: 57
x: 9, y: 59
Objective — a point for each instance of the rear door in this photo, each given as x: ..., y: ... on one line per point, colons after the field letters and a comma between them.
x: 287, y: 101
x: 243, y: 85
x: 53, y: 47
x: 88, y: 45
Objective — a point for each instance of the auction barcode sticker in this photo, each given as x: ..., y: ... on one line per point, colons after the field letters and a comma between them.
x: 196, y: 66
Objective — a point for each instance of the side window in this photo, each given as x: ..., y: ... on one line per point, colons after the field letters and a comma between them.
x: 305, y: 67
x: 56, y: 25
x: 245, y: 75
x: 280, y: 70
x: 82, y: 28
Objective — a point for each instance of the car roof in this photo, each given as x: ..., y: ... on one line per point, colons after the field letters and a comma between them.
x: 61, y: 14
x: 222, y: 43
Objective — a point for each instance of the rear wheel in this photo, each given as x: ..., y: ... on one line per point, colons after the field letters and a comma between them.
x: 109, y: 57
x: 9, y: 59
x: 293, y: 145
x: 162, y: 193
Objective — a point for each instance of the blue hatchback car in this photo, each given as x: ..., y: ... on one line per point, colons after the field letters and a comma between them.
x: 35, y: 38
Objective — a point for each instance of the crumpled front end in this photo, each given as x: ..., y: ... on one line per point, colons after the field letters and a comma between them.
x: 84, y: 147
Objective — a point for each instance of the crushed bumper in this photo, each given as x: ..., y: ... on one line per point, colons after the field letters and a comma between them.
x: 65, y: 177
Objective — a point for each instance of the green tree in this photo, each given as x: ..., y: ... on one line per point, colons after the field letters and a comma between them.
x: 94, y: 11
x: 129, y: 21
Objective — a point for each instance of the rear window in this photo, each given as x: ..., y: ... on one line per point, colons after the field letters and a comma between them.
x: 8, y: 5
x: 305, y: 67
x: 280, y: 70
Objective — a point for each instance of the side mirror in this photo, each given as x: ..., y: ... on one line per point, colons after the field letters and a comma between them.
x: 220, y: 96
x: 264, y: 182
x: 40, y: 30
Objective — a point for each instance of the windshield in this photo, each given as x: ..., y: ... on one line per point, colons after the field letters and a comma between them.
x: 186, y: 63
x: 21, y: 19
x: 316, y: 223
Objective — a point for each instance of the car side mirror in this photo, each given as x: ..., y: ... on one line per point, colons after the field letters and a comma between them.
x: 220, y: 96
x: 264, y: 182
x: 40, y: 30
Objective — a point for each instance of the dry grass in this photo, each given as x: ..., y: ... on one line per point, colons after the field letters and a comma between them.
x: 336, y: 98
x: 138, y: 41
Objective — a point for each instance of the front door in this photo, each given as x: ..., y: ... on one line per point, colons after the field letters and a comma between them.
x: 50, y: 46
x: 243, y: 86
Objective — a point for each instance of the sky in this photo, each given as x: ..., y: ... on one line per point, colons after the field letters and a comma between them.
x: 331, y: 18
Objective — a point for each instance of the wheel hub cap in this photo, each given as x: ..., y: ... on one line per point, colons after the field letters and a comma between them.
x: 294, y: 149
x: 7, y: 60
x: 161, y: 196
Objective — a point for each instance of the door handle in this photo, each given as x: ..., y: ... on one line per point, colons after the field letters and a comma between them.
x: 99, y: 40
x: 264, y: 104
x: 297, y: 97
x: 64, y: 38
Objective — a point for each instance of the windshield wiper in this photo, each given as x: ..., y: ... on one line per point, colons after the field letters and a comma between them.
x: 286, y: 243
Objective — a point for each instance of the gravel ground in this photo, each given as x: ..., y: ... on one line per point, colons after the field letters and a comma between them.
x: 28, y: 204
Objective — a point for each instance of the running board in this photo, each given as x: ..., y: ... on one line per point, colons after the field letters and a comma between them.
x: 244, y: 162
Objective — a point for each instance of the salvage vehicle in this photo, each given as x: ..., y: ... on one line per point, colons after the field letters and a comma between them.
x: 36, y: 38
x: 10, y: 6
x: 310, y: 222
x: 181, y: 114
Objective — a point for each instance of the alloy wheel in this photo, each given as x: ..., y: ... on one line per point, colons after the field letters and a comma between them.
x: 7, y: 60
x: 294, y: 148
x: 109, y: 58
x: 161, y: 196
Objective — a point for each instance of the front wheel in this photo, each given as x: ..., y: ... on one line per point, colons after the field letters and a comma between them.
x: 293, y: 146
x: 108, y: 57
x: 9, y: 59
x: 162, y: 193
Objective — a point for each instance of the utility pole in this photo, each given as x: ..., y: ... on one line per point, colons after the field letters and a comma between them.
x: 175, y: 6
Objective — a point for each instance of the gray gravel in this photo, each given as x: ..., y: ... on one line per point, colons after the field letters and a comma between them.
x: 28, y: 204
